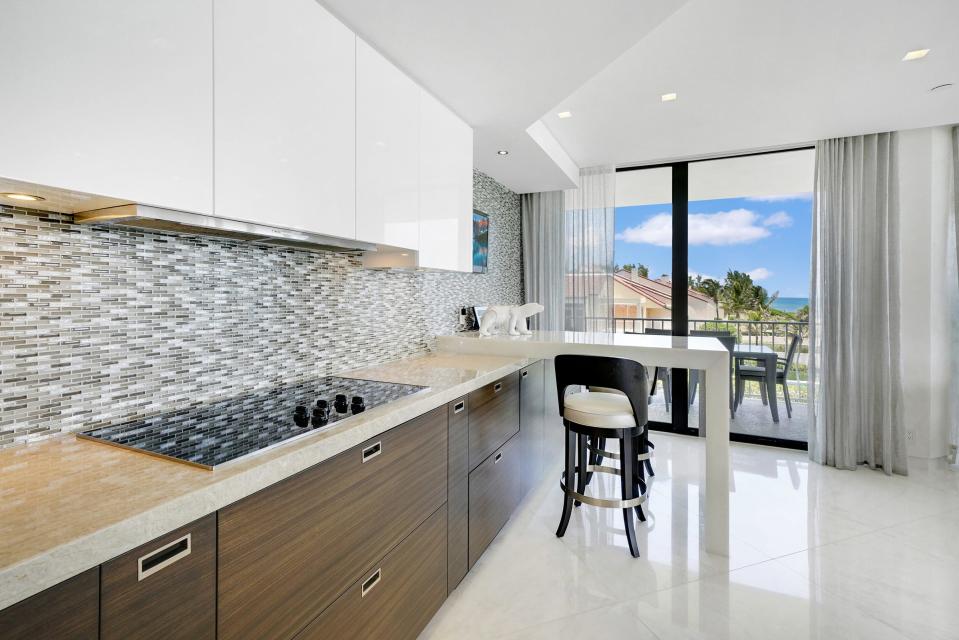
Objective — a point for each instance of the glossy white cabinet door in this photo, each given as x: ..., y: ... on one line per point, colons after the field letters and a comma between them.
x: 111, y: 97
x: 446, y: 188
x: 387, y: 151
x: 284, y: 78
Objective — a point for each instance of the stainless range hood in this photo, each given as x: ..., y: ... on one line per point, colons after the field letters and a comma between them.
x: 157, y: 219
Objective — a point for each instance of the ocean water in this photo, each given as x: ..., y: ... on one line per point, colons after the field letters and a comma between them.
x: 790, y: 304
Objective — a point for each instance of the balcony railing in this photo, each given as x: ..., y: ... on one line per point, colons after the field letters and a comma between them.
x: 774, y: 334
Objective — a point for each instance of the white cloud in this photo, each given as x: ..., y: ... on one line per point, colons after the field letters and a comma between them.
x: 738, y: 226
x: 759, y: 273
x: 778, y: 219
x: 782, y: 198
x: 657, y: 230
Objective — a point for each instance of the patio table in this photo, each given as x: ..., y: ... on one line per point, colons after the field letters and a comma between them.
x: 769, y: 358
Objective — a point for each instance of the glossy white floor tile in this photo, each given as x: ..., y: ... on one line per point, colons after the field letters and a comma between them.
x: 815, y: 553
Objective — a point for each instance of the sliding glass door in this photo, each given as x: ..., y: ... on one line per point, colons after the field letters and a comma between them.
x: 642, y: 282
x: 729, y: 253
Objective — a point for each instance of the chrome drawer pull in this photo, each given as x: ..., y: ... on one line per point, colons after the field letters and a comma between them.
x: 372, y: 451
x: 497, y: 387
x: 459, y: 406
x: 163, y: 557
x: 369, y: 583
x: 497, y: 457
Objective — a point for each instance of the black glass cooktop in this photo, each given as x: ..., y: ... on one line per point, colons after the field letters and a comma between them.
x: 208, y: 435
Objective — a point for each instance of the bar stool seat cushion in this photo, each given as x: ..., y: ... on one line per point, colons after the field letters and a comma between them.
x: 603, y: 410
x: 606, y: 390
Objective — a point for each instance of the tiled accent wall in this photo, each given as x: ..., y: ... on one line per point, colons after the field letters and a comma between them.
x: 101, y: 324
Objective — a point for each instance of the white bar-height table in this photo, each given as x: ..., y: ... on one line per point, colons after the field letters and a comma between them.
x: 706, y: 354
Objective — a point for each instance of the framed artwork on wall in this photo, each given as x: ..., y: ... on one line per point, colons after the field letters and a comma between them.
x: 480, y: 242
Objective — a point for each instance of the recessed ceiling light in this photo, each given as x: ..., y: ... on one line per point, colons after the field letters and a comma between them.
x: 915, y: 55
x: 22, y: 196
x: 668, y: 97
x: 564, y: 114
x: 502, y: 152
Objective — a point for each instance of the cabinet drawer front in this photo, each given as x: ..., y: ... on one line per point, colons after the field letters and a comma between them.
x: 493, y: 417
x: 532, y: 402
x: 494, y: 490
x: 66, y: 610
x: 290, y: 550
x: 457, y: 494
x: 397, y: 597
x: 458, y: 532
x: 164, y: 589
x: 459, y: 439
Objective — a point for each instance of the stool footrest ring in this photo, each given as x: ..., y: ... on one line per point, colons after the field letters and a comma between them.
x: 602, y: 502
x: 612, y: 455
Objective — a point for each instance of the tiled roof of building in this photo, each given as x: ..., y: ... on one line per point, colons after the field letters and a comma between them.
x: 658, y: 292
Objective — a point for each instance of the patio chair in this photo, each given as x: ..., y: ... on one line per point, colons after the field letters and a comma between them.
x: 757, y: 373
x: 729, y: 341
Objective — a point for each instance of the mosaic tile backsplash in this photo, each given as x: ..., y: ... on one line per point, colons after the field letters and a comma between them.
x: 100, y: 325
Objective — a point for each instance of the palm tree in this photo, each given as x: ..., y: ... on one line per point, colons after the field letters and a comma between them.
x: 763, y: 302
x: 642, y: 270
x: 712, y: 289
x: 706, y: 286
x: 737, y: 293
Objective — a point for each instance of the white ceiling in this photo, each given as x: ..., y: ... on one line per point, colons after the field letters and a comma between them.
x: 759, y: 74
x: 750, y: 74
x: 500, y: 64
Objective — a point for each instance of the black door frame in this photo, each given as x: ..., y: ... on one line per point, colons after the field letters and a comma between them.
x: 680, y: 292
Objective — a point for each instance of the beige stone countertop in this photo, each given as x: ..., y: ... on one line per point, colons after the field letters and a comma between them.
x: 67, y: 505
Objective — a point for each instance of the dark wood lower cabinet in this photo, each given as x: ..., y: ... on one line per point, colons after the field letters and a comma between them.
x: 494, y: 491
x: 395, y: 599
x: 287, y: 552
x: 458, y: 532
x: 532, y: 419
x: 494, y: 417
x: 163, y: 590
x: 457, y: 493
x: 67, y: 610
x: 367, y: 544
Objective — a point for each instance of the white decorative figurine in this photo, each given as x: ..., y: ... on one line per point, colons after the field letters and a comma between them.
x: 508, y: 319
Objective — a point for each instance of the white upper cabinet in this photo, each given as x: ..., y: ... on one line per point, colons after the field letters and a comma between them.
x: 284, y: 77
x: 446, y: 188
x: 111, y: 97
x: 387, y: 152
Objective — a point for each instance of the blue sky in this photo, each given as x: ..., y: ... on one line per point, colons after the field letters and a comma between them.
x: 766, y: 237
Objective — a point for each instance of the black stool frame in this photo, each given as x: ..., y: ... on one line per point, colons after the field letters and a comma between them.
x: 628, y: 377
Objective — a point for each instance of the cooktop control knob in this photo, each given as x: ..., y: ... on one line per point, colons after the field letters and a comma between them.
x: 299, y: 416
x: 357, y: 405
x: 322, y: 404
x: 340, y: 403
x: 321, y: 415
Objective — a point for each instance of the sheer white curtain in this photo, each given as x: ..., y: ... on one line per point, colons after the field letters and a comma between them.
x: 590, y: 235
x: 954, y: 298
x: 543, y: 257
x: 568, y: 253
x: 854, y: 361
